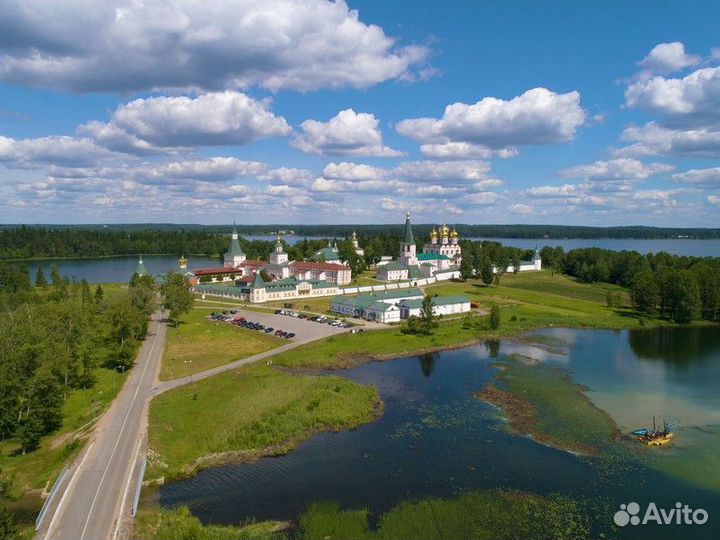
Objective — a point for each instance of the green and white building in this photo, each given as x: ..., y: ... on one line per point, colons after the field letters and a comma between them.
x: 439, y: 257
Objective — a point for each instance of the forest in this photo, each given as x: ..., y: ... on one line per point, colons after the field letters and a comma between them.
x: 55, y: 335
x: 25, y: 241
x: 682, y: 289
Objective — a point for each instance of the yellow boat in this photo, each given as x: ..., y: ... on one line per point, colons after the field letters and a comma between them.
x: 660, y: 441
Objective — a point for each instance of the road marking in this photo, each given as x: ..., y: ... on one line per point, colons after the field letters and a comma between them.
x: 127, y: 488
x: 70, y: 485
x: 122, y: 428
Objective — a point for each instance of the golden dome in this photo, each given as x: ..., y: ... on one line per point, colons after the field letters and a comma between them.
x: 444, y: 230
x: 455, y: 234
x: 433, y: 232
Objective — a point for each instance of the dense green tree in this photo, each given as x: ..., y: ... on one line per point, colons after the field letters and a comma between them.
x: 645, y: 293
x: 515, y: 261
x: 177, y: 298
x: 685, y: 301
x: 486, y: 271
x: 8, y: 529
x: 86, y: 295
x: 40, y: 280
x: 55, y: 278
x: 502, y: 261
x: 466, y: 267
x: 99, y: 294
x: 428, y: 319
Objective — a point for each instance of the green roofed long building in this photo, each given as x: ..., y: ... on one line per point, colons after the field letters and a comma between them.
x: 393, y: 306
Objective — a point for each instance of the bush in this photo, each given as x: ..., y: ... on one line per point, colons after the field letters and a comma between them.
x: 495, y: 318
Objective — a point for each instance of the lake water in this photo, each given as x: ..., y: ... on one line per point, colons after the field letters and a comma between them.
x: 436, y: 439
x: 116, y: 269
x: 120, y: 269
x: 674, y: 246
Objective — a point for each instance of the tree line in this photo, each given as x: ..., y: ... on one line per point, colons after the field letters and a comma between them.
x: 680, y: 288
x: 538, y: 231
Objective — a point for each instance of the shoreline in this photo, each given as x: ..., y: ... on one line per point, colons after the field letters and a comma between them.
x: 233, y: 457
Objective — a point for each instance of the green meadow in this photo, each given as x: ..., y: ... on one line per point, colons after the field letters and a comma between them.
x: 199, y: 343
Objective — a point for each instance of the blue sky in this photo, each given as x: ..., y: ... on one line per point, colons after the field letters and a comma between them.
x: 309, y: 111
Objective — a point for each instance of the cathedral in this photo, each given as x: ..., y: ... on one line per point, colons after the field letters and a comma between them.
x: 443, y: 253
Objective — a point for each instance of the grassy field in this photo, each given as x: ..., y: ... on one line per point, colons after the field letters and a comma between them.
x: 199, y: 344
x: 254, y: 411
x: 181, y: 524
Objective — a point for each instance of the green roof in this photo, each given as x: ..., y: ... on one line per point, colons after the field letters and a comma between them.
x: 432, y: 257
x: 380, y: 306
x: 289, y: 284
x: 414, y: 272
x: 258, y: 283
x: 409, y: 239
x: 366, y: 300
x: 235, y: 250
x: 394, y: 265
x: 437, y: 300
x: 328, y: 254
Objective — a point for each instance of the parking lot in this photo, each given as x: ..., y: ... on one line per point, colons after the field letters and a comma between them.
x: 304, y: 329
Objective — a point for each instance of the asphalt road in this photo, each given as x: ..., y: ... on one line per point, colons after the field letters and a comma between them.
x: 101, y: 487
x: 97, y: 494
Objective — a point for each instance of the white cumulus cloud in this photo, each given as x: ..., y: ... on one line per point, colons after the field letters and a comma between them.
x: 346, y: 134
x: 615, y: 169
x: 539, y: 116
x: 668, y: 57
x: 221, y: 118
x: 125, y: 45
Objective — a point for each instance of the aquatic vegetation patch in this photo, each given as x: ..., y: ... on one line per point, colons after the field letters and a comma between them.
x: 495, y: 514
x: 542, y: 401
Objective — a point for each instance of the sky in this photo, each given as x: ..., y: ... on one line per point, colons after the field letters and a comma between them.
x: 302, y: 112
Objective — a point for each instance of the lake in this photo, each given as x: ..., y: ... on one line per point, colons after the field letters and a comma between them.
x: 436, y: 439
x: 674, y: 246
x: 120, y: 269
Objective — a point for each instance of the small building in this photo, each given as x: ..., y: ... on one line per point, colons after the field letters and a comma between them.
x: 329, y: 254
x: 442, y: 305
x: 533, y: 264
x: 336, y: 273
x: 367, y: 306
x: 360, y: 252
x: 383, y: 312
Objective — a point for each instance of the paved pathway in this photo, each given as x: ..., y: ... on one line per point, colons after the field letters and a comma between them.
x: 100, y: 486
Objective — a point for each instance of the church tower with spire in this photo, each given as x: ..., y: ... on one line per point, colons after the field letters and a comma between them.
x: 356, y: 246
x: 234, y: 256
x: 408, y: 251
